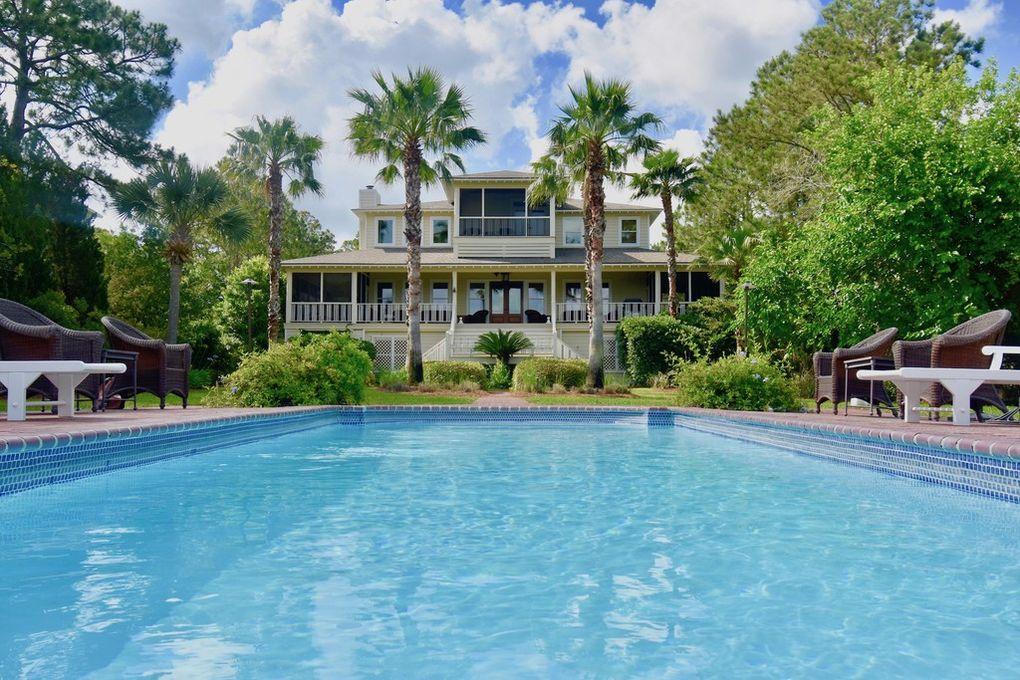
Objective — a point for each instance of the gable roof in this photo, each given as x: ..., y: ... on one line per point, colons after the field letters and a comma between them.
x: 496, y: 174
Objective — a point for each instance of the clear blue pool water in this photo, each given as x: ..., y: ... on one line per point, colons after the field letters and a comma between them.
x: 514, y: 550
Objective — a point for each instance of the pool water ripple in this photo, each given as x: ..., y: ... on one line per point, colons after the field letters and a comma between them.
x: 506, y: 550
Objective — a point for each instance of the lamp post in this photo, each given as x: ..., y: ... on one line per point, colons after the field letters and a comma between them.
x: 747, y: 287
x: 249, y: 284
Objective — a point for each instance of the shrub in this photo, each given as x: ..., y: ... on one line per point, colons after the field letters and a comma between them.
x: 201, y: 378
x: 500, y: 377
x: 392, y: 380
x: 538, y: 374
x: 502, y: 345
x: 651, y: 344
x: 327, y: 368
x: 735, y: 383
x: 450, y: 374
x: 715, y: 321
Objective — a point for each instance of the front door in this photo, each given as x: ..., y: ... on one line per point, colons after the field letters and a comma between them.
x: 506, y: 300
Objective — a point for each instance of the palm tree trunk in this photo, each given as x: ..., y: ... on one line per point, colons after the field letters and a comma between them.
x: 595, y: 232
x: 412, y: 233
x: 173, y: 315
x: 667, y: 209
x: 275, y: 186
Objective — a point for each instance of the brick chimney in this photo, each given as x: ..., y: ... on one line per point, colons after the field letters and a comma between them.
x: 368, y: 197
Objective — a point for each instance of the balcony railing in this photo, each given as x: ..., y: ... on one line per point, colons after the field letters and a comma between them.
x: 504, y: 226
x: 612, y: 312
x: 367, y: 312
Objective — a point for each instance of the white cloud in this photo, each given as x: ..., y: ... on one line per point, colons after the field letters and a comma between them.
x: 201, y: 25
x: 976, y: 18
x: 683, y: 56
x: 690, y: 55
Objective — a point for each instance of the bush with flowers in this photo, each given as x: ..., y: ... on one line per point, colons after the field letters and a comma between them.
x: 735, y: 383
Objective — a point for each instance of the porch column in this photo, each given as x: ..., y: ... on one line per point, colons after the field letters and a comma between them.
x: 552, y: 299
x: 290, y: 296
x: 354, y: 297
x: 658, y: 291
x: 453, y: 300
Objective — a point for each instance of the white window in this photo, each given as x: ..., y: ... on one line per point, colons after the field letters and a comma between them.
x: 573, y: 231
x: 384, y: 231
x: 536, y: 297
x: 628, y: 232
x: 440, y: 230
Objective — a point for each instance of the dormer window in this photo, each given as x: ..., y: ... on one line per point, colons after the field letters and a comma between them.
x: 440, y: 230
x: 384, y: 231
x: 501, y: 213
x: 573, y: 231
x: 628, y: 232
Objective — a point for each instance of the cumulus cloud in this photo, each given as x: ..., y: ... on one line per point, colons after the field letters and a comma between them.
x: 204, y: 26
x: 976, y: 18
x: 686, y: 58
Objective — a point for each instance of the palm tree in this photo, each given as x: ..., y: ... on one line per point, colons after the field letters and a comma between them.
x: 502, y: 345
x: 412, y: 118
x: 267, y: 153
x: 729, y: 250
x: 589, y: 143
x: 666, y: 175
x: 180, y: 201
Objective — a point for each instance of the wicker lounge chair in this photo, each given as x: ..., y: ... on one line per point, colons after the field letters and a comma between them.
x: 162, y: 368
x: 27, y: 335
x: 478, y: 317
x: 831, y: 378
x: 959, y: 347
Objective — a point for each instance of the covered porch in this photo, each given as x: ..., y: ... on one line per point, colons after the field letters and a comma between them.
x: 527, y: 297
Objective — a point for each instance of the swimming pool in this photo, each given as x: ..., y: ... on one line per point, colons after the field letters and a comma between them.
x: 507, y: 549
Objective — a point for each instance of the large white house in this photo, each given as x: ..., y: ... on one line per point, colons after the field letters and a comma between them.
x: 489, y: 260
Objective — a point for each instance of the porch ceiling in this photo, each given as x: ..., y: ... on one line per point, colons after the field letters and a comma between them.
x: 444, y: 259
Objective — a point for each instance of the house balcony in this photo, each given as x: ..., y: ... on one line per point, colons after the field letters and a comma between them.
x: 504, y: 227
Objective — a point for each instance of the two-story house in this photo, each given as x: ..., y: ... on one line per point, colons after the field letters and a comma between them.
x: 489, y: 260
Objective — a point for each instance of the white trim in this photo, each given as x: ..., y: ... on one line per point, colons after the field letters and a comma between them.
x: 432, y: 230
x: 580, y: 221
x: 393, y: 231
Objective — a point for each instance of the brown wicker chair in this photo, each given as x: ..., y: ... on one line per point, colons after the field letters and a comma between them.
x: 831, y: 383
x: 959, y: 347
x: 27, y: 335
x: 162, y: 368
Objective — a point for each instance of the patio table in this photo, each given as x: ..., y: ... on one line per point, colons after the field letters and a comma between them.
x: 17, y: 376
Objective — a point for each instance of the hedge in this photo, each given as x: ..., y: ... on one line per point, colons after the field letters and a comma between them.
x: 450, y: 374
x: 329, y: 368
x: 649, y: 345
x: 539, y: 374
x: 735, y: 383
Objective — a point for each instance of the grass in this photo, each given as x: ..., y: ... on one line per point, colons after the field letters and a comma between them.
x: 640, y: 396
x: 377, y: 397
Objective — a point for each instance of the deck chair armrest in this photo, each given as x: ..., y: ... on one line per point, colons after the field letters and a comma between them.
x: 998, y: 352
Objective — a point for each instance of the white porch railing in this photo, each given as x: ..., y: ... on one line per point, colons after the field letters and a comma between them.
x: 320, y: 312
x: 368, y: 312
x: 612, y: 312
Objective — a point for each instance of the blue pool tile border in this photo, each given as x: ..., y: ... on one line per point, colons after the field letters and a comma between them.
x: 40, y: 461
x: 983, y: 474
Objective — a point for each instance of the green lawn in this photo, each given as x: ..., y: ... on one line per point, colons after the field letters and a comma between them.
x: 640, y: 396
x: 377, y: 397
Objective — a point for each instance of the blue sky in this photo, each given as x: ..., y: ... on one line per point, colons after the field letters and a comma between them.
x: 686, y: 59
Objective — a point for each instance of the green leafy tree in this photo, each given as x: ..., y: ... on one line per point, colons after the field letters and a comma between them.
x: 667, y: 176
x: 178, y: 201
x: 922, y: 226
x: 82, y: 73
x: 232, y: 311
x: 414, y: 125
x: 762, y: 165
x: 269, y: 152
x: 590, y: 143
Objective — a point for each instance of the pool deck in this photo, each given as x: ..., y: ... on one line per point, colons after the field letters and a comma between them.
x: 998, y: 439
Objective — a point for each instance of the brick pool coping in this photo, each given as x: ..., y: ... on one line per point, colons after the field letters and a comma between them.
x: 996, y: 439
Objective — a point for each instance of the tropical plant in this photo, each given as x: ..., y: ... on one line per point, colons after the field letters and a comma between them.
x: 502, y: 345
x: 268, y: 152
x: 176, y: 201
x: 590, y: 143
x: 414, y: 125
x: 727, y: 251
x: 667, y: 176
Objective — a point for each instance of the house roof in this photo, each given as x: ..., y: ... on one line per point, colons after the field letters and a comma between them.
x: 445, y: 258
x: 496, y: 174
